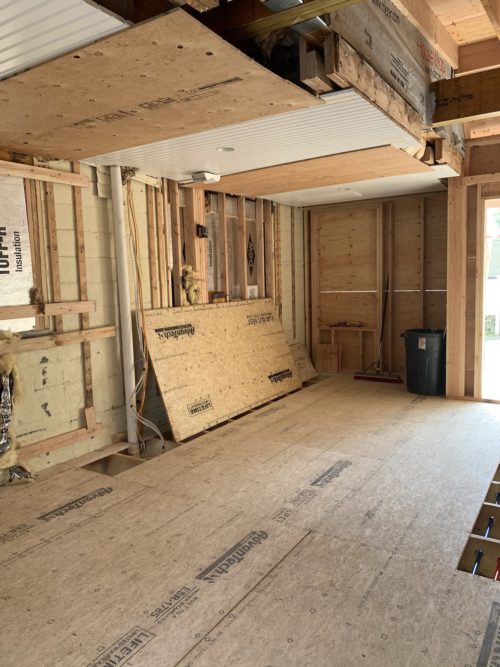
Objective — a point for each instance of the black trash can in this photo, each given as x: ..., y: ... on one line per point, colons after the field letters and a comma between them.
x: 425, y: 361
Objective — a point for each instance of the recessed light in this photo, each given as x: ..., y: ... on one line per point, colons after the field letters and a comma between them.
x: 225, y: 149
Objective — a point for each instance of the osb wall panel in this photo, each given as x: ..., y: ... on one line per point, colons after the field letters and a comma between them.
x: 213, y: 362
x: 164, y: 78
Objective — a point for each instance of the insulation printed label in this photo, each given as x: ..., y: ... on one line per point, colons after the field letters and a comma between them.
x: 164, y: 333
x: 490, y: 650
x: 16, y: 276
x: 75, y: 504
x: 232, y: 556
x: 329, y: 475
x: 123, y: 649
x: 280, y: 375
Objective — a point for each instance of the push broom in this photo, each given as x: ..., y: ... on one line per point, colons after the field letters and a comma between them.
x: 375, y: 371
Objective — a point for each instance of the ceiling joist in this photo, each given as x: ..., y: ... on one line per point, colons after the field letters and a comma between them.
x: 425, y: 20
x: 479, y: 56
x: 492, y: 9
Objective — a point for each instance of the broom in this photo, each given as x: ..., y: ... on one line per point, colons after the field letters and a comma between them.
x: 375, y: 371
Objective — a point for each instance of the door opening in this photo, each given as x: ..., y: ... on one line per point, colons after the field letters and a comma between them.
x: 491, y: 302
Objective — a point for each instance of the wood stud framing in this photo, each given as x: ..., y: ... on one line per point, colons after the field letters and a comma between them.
x: 173, y: 195
x: 153, y: 265
x: 241, y: 261
x: 456, y: 305
x: 53, y: 251
x: 82, y: 282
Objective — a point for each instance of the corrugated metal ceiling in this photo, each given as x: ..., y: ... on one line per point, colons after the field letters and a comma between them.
x: 32, y: 31
x: 347, y: 122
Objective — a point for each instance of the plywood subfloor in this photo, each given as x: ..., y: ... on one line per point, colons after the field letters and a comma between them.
x: 369, y: 164
x: 164, y: 78
x: 324, y: 529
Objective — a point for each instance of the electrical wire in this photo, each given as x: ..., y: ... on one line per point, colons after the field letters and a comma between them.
x: 139, y: 392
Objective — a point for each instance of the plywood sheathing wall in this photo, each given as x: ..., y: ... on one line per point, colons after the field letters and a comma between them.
x: 354, y: 248
x: 164, y: 78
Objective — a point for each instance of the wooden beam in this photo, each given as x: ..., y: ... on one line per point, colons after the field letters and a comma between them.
x: 261, y: 254
x: 343, y: 63
x: 162, y: 249
x: 190, y: 222
x: 51, y: 309
x: 466, y: 98
x: 53, y: 250
x: 269, y: 248
x: 479, y: 295
x: 444, y: 153
x: 478, y: 56
x: 241, y: 262
x: 36, y: 343
x: 168, y: 238
x: 42, y: 174
x: 312, y: 69
x: 82, y: 285
x: 285, y: 18
x: 456, y: 281
x: 173, y: 196
x: 223, y: 253
x: 419, y: 13
x: 492, y: 9
x: 153, y: 264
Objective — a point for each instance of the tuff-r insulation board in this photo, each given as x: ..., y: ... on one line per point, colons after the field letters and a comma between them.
x: 216, y: 361
x: 322, y: 530
x: 161, y: 79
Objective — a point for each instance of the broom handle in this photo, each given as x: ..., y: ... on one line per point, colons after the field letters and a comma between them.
x: 384, y: 311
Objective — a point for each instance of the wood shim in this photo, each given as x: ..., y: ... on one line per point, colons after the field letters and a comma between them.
x: 213, y: 362
x: 164, y: 78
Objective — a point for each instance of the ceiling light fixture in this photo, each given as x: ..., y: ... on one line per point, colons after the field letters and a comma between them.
x: 225, y: 149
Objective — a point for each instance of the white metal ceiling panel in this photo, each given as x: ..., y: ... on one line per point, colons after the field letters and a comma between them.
x: 32, y: 31
x: 391, y: 186
x: 347, y: 122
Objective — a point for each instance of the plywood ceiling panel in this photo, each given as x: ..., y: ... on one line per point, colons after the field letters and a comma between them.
x: 164, y: 78
x: 323, y: 171
x: 465, y: 20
